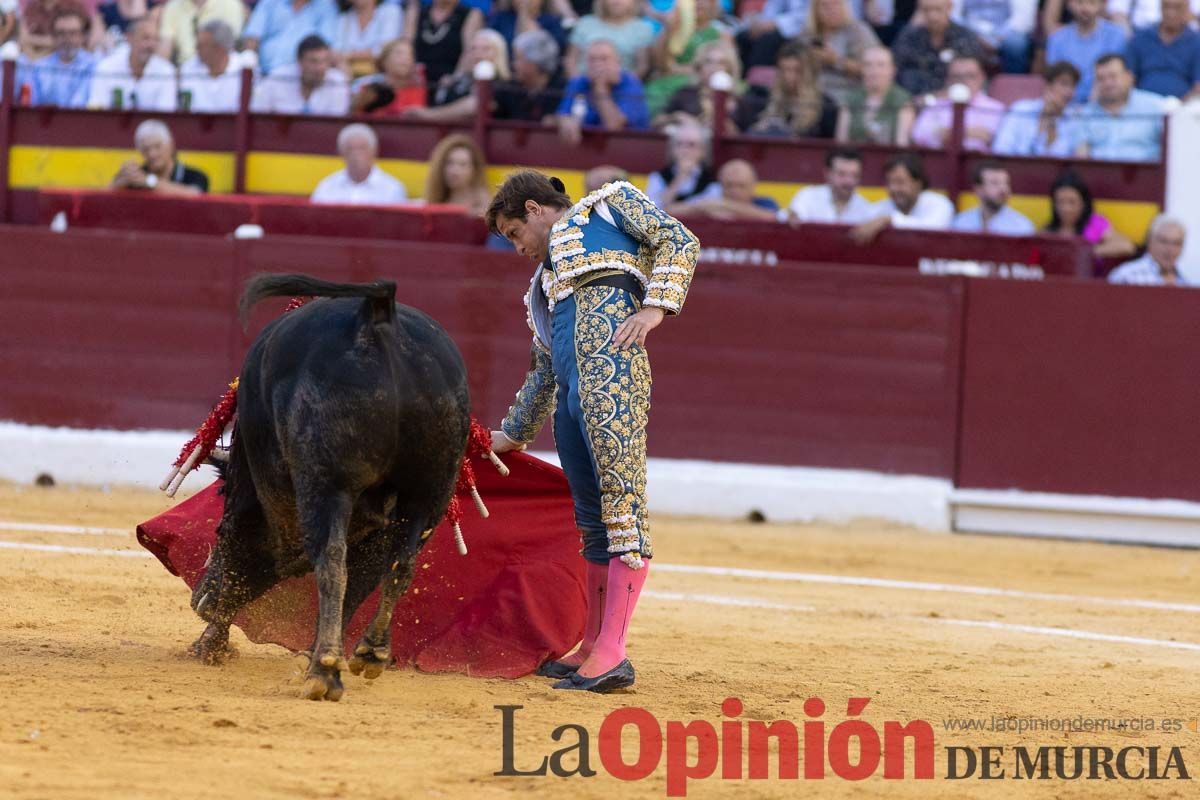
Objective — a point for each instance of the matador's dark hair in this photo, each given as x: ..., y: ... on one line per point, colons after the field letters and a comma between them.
x: 525, y: 185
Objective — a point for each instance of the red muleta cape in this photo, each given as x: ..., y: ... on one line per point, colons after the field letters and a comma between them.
x: 515, y: 600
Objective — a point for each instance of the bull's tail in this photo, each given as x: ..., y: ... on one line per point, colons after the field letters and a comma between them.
x: 380, y: 294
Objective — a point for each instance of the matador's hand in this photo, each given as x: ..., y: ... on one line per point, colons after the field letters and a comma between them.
x: 502, y: 444
x: 635, y: 328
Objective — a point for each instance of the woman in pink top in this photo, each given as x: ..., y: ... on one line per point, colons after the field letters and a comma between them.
x: 1072, y: 215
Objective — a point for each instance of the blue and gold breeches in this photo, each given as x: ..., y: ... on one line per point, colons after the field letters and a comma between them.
x: 600, y: 422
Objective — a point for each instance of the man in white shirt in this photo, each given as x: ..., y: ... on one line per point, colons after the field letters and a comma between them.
x: 993, y: 214
x: 909, y: 204
x: 309, y: 85
x: 134, y: 77
x: 1160, y: 265
x: 361, y: 182
x: 210, y: 82
x: 837, y: 200
x: 1134, y: 14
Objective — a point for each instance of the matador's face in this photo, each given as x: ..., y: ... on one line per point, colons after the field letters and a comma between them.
x: 530, y: 236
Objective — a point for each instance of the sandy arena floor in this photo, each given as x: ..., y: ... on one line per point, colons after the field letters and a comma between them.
x: 100, y: 700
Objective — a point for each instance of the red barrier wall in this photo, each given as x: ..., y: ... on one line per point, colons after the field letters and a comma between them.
x: 838, y: 367
x: 831, y: 244
x: 219, y: 215
x: 1081, y: 388
x: 1061, y: 385
x: 820, y: 244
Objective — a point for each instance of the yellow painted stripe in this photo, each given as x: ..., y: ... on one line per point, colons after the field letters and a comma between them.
x: 298, y: 173
x: 93, y: 168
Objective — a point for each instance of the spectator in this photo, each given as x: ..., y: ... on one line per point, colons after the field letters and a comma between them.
x: 618, y: 22
x: 35, y: 24
x: 1084, y: 41
x: 1004, y: 26
x: 839, y: 42
x: 161, y: 170
x: 63, y: 78
x: 1043, y: 126
x: 695, y: 101
x: 538, y: 89
x: 1072, y: 215
x: 795, y: 106
x: 1137, y: 14
x: 1159, y: 266
x: 605, y: 96
x: 511, y: 18
x: 276, y: 29
x: 1122, y: 123
x: 764, y: 34
x: 399, y: 84
x: 889, y: 17
x: 1166, y: 59
x: 1053, y: 15
x: 309, y: 85
x: 182, y: 21
x: 440, y: 33
x: 922, y: 52
x: 837, y: 200
x: 596, y: 177
x: 993, y: 214
x: 454, y: 98
x: 687, y: 174
x: 732, y: 197
x: 909, y: 204
x: 135, y: 77
x: 879, y: 112
x: 458, y: 175
x: 119, y: 15
x: 678, y: 52
x: 935, y: 123
x: 361, y: 182
x: 363, y: 28
x: 8, y: 20
x: 210, y: 82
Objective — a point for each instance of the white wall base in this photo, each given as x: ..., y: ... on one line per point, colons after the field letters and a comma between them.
x: 792, y: 494
x: 700, y: 488
x: 1110, y: 519
x: 89, y: 457
x: 696, y: 488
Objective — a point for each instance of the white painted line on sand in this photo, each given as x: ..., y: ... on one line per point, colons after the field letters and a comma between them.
x: 744, y: 602
x: 888, y: 583
x: 39, y: 527
x: 722, y: 600
x: 88, y: 551
x: 1068, y: 633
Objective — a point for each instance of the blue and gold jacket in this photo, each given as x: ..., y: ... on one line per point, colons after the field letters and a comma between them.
x: 614, y: 229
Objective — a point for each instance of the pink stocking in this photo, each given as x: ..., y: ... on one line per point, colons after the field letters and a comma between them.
x: 621, y: 596
x: 597, y: 585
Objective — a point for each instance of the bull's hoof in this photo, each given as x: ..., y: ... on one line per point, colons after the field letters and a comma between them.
x: 213, y: 647
x: 324, y: 680
x: 204, y: 599
x: 370, y: 661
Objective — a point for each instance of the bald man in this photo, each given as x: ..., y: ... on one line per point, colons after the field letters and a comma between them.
x: 731, y: 197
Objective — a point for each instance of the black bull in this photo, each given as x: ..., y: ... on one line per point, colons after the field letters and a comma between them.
x: 353, y: 416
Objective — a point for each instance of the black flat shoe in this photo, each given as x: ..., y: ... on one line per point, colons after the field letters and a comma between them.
x: 555, y: 669
x: 619, y: 677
